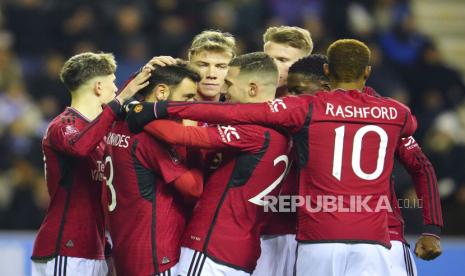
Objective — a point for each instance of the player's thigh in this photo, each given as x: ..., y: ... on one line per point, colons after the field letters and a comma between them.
x: 368, y: 260
x: 70, y: 266
x: 268, y: 256
x: 277, y: 256
x: 83, y: 267
x: 39, y: 268
x: 291, y: 251
x: 402, y: 260
x: 194, y: 263
x: 321, y: 259
x: 172, y: 271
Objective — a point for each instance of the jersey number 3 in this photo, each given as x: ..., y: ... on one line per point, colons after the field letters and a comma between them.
x: 109, y: 182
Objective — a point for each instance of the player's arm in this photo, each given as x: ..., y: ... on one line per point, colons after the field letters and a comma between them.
x: 177, y: 134
x: 288, y: 112
x: 189, y: 182
x: 65, y: 138
x: 422, y: 172
x: 239, y: 137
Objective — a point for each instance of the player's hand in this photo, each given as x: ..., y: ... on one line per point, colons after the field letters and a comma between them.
x: 138, y: 114
x: 428, y: 247
x: 160, y: 61
x: 134, y: 86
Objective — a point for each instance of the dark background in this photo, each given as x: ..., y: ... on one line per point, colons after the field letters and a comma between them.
x: 37, y: 36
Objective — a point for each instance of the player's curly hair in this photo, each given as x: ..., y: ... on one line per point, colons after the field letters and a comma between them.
x: 311, y: 66
x: 347, y: 59
x: 82, y: 67
x: 213, y: 40
x: 293, y: 36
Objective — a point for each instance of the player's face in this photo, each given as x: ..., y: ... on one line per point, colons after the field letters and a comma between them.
x: 284, y: 56
x: 236, y: 87
x: 185, y: 91
x: 107, y: 88
x: 299, y: 84
x: 213, y: 67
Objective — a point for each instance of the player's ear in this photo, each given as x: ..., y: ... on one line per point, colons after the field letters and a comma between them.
x: 253, y: 89
x: 367, y: 72
x: 98, y: 88
x: 326, y: 69
x: 162, y: 92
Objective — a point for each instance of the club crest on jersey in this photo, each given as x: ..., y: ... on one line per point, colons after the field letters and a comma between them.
x: 227, y: 133
x: 275, y: 104
x: 138, y: 108
x: 69, y: 130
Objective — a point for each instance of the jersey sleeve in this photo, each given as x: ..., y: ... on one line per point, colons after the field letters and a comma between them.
x: 410, y: 125
x: 238, y: 137
x: 288, y: 112
x: 66, y: 138
x: 177, y: 134
x: 163, y: 160
x: 422, y: 172
x: 246, y: 138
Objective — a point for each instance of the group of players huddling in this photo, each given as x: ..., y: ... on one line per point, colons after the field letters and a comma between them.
x: 172, y: 174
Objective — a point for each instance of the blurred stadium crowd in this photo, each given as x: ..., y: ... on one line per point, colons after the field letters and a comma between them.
x: 36, y: 36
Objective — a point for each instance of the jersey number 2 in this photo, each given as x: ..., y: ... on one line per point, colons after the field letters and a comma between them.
x: 258, y: 198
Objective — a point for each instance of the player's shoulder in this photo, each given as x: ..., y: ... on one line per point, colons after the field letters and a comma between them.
x: 69, y: 117
x: 67, y: 123
x: 294, y: 100
x: 150, y: 149
x: 257, y: 130
x: 147, y: 141
x: 272, y: 135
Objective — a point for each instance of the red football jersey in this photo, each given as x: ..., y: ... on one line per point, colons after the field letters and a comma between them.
x: 146, y: 213
x: 283, y: 223
x: 73, y: 150
x: 424, y: 178
x: 345, y: 142
x: 228, y: 217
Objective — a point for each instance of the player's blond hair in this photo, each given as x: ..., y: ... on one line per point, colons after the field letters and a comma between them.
x: 347, y: 59
x: 82, y: 67
x: 293, y: 36
x: 213, y: 40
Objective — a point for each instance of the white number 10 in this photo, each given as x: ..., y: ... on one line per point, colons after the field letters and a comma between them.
x: 356, y: 152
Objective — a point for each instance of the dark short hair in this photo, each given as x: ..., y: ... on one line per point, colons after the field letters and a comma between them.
x: 310, y: 67
x: 256, y: 63
x: 347, y: 59
x: 170, y: 75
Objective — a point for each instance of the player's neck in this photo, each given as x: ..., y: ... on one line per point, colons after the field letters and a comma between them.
x: 282, y: 91
x: 347, y: 85
x: 88, y: 105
